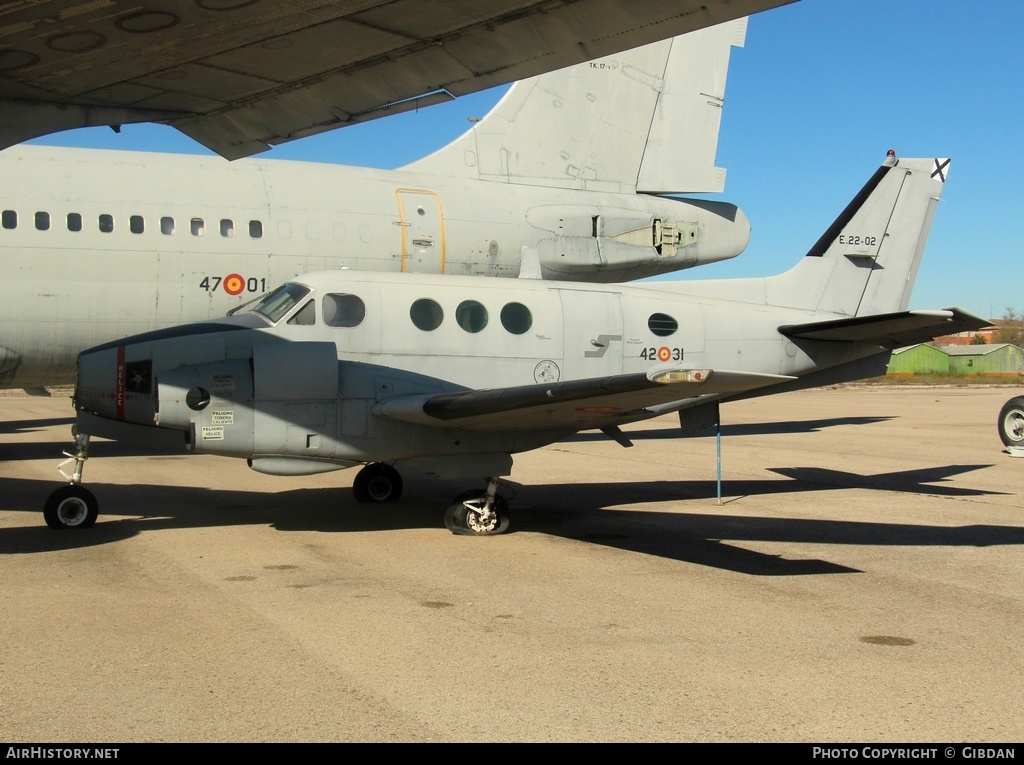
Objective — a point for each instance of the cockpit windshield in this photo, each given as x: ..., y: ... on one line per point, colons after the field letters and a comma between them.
x: 279, y: 302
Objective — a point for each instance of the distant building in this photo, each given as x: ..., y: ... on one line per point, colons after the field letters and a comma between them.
x: 918, y: 360
x: 966, y: 338
x: 997, y: 359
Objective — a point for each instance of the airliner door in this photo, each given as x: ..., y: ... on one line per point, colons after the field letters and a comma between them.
x: 422, y: 231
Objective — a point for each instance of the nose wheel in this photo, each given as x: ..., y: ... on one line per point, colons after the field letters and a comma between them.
x: 73, y: 506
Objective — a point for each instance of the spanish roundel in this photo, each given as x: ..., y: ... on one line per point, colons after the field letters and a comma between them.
x: 234, y: 284
x: 664, y: 354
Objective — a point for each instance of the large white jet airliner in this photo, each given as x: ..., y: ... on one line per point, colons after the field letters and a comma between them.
x: 567, y: 174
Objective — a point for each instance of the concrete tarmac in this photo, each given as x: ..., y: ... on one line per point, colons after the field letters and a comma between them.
x: 860, y: 581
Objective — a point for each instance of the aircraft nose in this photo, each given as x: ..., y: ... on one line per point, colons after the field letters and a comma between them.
x: 115, y: 383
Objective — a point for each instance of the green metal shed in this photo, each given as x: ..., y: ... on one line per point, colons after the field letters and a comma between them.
x: 918, y: 360
x: 1000, y: 359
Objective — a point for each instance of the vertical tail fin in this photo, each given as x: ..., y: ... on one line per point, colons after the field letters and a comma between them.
x: 646, y: 119
x: 867, y: 260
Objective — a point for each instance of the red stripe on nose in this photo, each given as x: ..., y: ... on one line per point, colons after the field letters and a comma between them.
x: 119, y: 397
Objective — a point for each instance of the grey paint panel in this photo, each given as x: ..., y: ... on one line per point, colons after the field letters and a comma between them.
x: 290, y: 371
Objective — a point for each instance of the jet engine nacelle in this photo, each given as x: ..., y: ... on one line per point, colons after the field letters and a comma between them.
x: 601, y: 244
x: 593, y: 259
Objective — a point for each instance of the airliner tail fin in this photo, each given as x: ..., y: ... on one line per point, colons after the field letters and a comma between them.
x: 644, y: 120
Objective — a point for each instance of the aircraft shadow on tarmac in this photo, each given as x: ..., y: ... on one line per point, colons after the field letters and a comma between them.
x: 921, y: 481
x: 163, y: 442
x: 581, y: 512
x: 54, y: 448
x: 27, y: 426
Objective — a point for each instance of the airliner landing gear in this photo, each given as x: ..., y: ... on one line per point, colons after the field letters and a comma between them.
x: 377, y: 482
x: 478, y: 512
x: 74, y: 506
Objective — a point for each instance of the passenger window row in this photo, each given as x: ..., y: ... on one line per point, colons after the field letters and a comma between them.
x: 347, y: 310
x: 472, y: 316
x: 136, y: 224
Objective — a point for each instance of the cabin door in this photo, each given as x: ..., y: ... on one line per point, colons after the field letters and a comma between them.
x: 422, y: 231
x: 592, y: 333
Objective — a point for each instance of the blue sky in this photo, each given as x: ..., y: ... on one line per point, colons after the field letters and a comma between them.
x: 822, y: 89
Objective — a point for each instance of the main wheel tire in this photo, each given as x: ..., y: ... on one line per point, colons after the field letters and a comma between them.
x: 377, y: 482
x: 71, y: 507
x: 1011, y: 422
x: 460, y: 519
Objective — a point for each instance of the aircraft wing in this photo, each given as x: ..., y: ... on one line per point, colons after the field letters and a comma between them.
x: 571, y: 405
x: 241, y: 75
x: 889, y: 330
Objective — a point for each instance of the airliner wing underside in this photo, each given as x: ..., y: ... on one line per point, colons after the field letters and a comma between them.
x: 573, y: 404
x: 890, y: 330
x: 241, y: 76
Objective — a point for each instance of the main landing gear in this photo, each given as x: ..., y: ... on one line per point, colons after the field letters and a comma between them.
x: 73, y: 506
x: 479, y: 512
x: 377, y: 482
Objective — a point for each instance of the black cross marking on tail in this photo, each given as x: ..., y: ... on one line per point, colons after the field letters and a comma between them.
x: 940, y: 170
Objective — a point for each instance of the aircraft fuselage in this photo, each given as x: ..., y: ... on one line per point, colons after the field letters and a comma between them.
x: 331, y: 373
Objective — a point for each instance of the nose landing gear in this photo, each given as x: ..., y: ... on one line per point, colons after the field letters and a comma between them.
x: 73, y: 506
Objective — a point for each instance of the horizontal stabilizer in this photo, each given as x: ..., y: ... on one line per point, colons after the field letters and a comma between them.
x: 570, y: 405
x: 889, y: 330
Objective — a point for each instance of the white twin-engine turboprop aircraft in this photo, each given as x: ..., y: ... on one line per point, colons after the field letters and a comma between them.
x: 452, y: 375
x: 571, y: 167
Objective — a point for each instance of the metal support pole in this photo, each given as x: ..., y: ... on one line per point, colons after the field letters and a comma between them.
x: 718, y: 446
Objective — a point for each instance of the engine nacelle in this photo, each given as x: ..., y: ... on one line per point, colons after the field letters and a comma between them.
x: 283, y: 400
x: 269, y: 398
x: 602, y: 245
